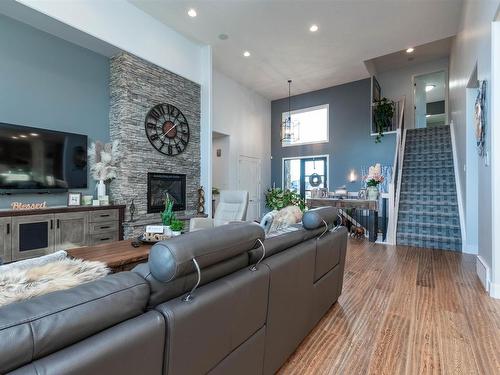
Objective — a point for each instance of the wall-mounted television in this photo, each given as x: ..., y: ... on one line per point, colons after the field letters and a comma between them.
x: 36, y: 160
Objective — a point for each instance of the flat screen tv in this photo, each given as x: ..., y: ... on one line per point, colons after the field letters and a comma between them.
x: 39, y: 160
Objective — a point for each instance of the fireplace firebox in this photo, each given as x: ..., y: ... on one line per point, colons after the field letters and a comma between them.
x: 162, y: 184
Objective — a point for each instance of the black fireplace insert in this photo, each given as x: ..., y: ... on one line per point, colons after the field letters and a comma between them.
x: 162, y: 184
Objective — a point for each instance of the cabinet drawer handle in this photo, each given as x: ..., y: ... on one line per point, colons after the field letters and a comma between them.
x: 51, y: 224
x: 104, y: 215
x: 57, y: 223
x: 104, y: 239
x: 8, y: 228
x: 105, y: 227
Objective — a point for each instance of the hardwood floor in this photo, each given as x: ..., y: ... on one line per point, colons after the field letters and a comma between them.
x: 405, y: 310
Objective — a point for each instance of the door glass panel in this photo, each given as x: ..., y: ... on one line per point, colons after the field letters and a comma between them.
x: 33, y: 236
x: 313, y: 167
x: 292, y: 175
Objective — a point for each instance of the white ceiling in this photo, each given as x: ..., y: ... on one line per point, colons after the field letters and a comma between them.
x: 423, y: 53
x: 276, y: 32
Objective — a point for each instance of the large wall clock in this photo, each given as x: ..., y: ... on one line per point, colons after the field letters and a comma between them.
x: 167, y: 129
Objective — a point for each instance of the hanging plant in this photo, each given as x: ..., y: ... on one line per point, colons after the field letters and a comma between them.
x: 382, y: 117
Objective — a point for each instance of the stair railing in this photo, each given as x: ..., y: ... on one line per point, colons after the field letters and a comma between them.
x: 397, y: 170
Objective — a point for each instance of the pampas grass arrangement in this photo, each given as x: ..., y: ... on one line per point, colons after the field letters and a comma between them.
x: 103, y: 159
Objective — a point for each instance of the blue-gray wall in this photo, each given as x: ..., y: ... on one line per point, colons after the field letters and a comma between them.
x: 49, y: 83
x: 350, y: 145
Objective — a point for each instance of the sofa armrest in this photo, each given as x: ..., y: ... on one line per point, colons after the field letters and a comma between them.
x: 199, y: 223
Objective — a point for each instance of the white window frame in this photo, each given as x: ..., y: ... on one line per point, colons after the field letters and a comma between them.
x: 284, y: 116
x: 306, y: 157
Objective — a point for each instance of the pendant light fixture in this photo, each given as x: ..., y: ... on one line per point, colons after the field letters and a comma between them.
x: 289, y: 127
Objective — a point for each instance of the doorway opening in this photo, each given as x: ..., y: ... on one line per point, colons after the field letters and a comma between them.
x: 302, y: 174
x: 431, y: 99
x: 220, y: 166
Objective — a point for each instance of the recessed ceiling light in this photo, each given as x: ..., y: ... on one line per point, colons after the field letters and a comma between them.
x: 429, y: 87
x: 23, y: 136
x: 14, y: 137
x: 34, y: 134
x: 192, y: 13
x: 246, y: 54
x: 313, y: 28
x: 410, y: 50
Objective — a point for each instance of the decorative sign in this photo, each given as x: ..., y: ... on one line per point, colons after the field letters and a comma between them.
x: 28, y: 206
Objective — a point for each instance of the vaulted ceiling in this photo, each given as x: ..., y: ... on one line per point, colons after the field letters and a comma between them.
x: 276, y: 33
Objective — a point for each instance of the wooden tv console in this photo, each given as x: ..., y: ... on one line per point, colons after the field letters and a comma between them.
x: 31, y: 233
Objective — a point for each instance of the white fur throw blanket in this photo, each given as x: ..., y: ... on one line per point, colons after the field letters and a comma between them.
x: 21, y: 283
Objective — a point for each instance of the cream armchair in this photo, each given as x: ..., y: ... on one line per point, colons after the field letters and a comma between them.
x: 232, y: 207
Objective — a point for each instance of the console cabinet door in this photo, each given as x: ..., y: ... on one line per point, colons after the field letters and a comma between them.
x: 32, y: 236
x: 5, y: 239
x: 71, y: 230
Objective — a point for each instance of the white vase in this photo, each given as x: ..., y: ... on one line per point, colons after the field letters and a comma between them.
x: 167, y: 231
x: 101, y: 189
x: 372, y: 193
x: 176, y: 233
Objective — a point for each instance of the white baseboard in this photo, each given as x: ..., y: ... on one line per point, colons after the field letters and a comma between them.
x: 495, y: 290
x: 483, y: 272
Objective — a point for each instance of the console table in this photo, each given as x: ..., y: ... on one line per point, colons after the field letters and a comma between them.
x: 363, y: 204
x: 31, y: 233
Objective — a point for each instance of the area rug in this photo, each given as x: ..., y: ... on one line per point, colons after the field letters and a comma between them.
x: 17, y: 284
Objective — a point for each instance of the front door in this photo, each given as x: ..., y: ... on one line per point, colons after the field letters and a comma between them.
x: 304, y: 174
x: 249, y: 180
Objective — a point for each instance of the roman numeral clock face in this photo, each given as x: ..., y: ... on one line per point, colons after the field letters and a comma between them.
x: 167, y: 129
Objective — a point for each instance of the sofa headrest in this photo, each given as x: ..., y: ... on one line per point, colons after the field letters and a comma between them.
x: 173, y: 258
x: 317, y: 217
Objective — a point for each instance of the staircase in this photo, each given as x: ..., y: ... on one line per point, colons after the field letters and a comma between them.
x: 428, y: 213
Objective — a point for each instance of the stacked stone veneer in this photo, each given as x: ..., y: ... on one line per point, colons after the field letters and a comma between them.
x: 135, y: 86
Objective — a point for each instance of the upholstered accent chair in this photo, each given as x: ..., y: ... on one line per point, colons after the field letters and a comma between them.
x: 232, y: 207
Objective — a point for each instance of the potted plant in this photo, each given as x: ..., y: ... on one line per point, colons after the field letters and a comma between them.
x: 277, y: 198
x: 382, y: 117
x: 176, y: 226
x: 373, y: 179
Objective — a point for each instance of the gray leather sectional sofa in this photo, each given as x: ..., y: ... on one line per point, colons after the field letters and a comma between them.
x: 253, y: 306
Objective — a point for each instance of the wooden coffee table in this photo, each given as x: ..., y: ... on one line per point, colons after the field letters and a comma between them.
x: 119, y: 255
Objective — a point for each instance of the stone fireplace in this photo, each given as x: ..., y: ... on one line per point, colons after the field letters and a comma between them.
x: 144, y: 173
x: 161, y: 185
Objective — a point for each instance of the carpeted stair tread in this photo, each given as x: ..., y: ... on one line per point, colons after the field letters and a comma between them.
x: 429, y: 242
x: 434, y: 225
x: 433, y: 202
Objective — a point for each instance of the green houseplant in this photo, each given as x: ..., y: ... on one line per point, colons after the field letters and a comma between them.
x: 277, y: 198
x: 382, y: 117
x: 177, y: 227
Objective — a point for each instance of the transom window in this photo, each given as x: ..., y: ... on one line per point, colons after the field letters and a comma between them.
x: 308, y: 125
